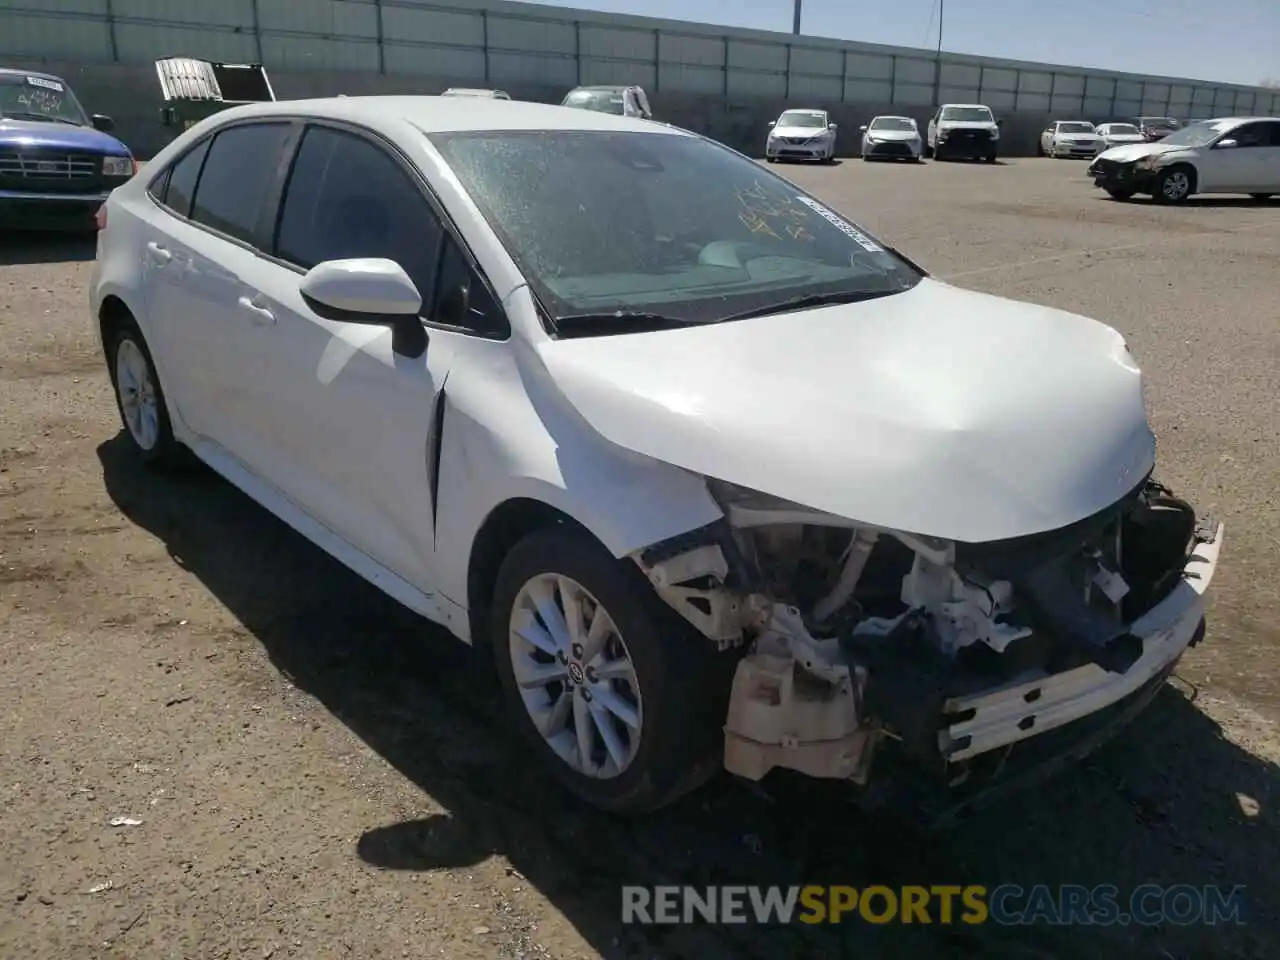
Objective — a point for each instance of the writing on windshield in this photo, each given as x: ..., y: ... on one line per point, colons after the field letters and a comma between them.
x: 38, y: 97
x: 761, y: 214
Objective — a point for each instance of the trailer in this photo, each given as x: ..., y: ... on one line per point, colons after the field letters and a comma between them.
x: 194, y: 89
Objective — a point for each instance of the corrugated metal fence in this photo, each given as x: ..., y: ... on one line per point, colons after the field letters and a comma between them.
x: 491, y: 42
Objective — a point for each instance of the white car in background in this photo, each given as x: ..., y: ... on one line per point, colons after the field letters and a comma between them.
x: 715, y: 476
x: 621, y: 101
x: 892, y: 138
x: 483, y: 94
x: 1229, y: 155
x: 1118, y: 134
x: 1070, y: 138
x: 801, y: 135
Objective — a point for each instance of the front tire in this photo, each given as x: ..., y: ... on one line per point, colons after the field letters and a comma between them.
x: 618, y: 694
x: 1118, y: 194
x: 1174, y: 185
x: 139, y: 397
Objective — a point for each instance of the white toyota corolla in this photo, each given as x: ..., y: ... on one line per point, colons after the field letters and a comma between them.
x: 718, y: 477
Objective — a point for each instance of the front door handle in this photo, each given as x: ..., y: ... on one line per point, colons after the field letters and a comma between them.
x: 260, y: 315
x: 159, y: 255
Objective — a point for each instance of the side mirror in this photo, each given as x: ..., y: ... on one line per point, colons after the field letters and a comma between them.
x: 102, y: 122
x: 863, y: 128
x: 1228, y: 144
x: 831, y: 126
x: 772, y: 124
x: 368, y: 290
x: 999, y: 123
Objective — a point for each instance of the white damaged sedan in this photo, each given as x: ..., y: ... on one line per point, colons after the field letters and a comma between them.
x: 718, y: 478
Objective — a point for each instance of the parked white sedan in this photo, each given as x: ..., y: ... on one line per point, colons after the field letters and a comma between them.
x: 1070, y: 138
x: 1229, y: 155
x: 892, y: 138
x: 801, y: 135
x: 1118, y: 134
x: 718, y: 477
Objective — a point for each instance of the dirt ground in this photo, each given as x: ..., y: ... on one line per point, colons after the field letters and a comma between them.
x: 319, y: 775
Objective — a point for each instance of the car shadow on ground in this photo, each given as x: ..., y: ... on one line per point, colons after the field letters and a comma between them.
x: 1169, y: 802
x: 24, y: 247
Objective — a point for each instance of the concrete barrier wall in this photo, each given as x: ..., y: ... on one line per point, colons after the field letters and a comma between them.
x: 725, y: 82
x: 130, y: 95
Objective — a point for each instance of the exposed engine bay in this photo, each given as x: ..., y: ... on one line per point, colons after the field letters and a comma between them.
x: 852, y: 637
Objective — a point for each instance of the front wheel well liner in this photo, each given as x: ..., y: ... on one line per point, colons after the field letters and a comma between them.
x: 507, y: 524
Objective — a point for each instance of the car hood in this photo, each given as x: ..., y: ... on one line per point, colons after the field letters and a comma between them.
x: 799, y: 131
x: 937, y: 411
x: 60, y: 136
x: 1127, y: 153
x: 894, y: 134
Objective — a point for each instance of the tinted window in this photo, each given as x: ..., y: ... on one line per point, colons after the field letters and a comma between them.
x: 237, y: 177
x: 603, y: 221
x: 177, y: 193
x: 1252, y: 135
x: 348, y: 198
x: 160, y: 185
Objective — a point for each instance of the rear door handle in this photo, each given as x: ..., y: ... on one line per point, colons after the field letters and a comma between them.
x: 159, y: 255
x: 259, y: 314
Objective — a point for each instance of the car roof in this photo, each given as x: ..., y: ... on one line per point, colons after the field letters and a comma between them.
x: 11, y: 72
x: 450, y: 114
x: 890, y: 116
x: 982, y: 105
x: 605, y: 87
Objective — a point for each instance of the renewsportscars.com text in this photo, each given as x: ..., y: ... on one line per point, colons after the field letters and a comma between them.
x: 1008, y: 904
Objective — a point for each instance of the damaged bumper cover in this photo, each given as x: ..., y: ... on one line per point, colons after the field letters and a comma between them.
x: 822, y: 691
x: 1002, y: 717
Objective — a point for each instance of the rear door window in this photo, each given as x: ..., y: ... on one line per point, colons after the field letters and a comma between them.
x: 176, y: 191
x: 238, y: 176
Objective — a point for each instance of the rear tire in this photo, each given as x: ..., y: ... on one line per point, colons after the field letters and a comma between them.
x: 651, y: 695
x: 140, y: 399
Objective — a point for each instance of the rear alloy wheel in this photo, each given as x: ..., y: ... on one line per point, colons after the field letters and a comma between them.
x: 622, y: 697
x: 139, y: 398
x: 1173, y: 185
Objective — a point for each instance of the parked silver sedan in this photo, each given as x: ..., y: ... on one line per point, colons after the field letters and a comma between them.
x: 892, y: 138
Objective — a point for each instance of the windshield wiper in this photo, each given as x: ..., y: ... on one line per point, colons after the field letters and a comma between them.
x: 42, y: 117
x: 807, y: 301
x: 617, y: 321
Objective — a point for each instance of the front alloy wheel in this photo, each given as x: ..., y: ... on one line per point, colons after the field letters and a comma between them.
x: 1174, y: 185
x: 621, y: 697
x: 575, y: 676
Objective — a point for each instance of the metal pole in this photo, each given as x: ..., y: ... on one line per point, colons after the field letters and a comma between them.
x: 937, y: 63
x: 795, y: 20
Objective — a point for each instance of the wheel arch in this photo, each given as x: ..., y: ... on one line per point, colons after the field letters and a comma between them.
x: 1190, y: 167
x: 506, y: 525
x: 113, y: 315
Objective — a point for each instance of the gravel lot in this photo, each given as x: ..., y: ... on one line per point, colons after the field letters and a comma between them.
x: 318, y: 775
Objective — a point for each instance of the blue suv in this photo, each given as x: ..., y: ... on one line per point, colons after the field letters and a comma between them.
x: 57, y: 163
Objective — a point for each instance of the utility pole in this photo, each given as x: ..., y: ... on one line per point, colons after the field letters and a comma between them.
x: 937, y: 60
x: 795, y: 20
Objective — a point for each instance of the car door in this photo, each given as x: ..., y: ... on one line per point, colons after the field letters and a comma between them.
x: 201, y: 268
x: 1236, y: 169
x: 350, y: 421
x: 1268, y: 165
